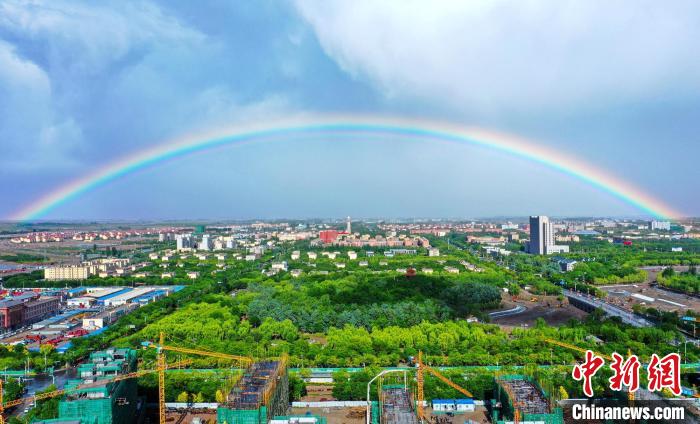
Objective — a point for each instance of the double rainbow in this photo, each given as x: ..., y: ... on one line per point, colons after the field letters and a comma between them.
x: 356, y: 126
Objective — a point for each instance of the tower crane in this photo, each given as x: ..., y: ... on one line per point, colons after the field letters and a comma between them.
x: 161, y: 347
x: 421, y: 368
x: 97, y: 383
x: 630, y: 395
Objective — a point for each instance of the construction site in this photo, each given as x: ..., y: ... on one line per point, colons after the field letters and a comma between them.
x: 521, y: 399
x: 261, y: 394
x: 88, y: 401
x: 397, y: 405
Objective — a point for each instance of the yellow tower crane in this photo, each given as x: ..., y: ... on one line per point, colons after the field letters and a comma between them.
x: 421, y: 367
x: 161, y: 347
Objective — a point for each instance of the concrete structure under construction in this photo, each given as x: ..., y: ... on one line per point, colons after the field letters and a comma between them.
x: 522, y: 396
x: 259, y: 395
x: 397, y: 406
x: 113, y: 402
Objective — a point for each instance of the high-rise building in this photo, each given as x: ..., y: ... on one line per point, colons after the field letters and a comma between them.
x: 206, y: 243
x: 540, y: 234
x: 184, y: 241
x: 660, y: 225
x: 349, y: 226
x: 542, y: 237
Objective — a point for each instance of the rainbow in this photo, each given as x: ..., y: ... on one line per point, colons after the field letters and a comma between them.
x: 358, y: 126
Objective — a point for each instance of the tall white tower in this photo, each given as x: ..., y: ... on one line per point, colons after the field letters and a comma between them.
x: 348, y: 229
x: 541, y: 235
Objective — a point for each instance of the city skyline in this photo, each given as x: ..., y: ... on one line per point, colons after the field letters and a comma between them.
x: 132, y: 79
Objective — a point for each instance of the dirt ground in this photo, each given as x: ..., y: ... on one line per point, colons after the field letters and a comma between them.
x: 66, y: 251
x: 318, y: 393
x: 545, y: 307
x: 206, y: 416
x: 665, y: 300
x: 478, y: 416
x: 354, y: 415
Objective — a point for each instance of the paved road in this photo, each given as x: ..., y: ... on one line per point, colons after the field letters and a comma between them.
x: 627, y: 317
x: 500, y: 314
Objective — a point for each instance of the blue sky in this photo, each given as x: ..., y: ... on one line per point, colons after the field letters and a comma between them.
x: 84, y: 83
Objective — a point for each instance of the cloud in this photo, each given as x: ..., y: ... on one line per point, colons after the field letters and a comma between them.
x: 57, y: 61
x: 28, y: 126
x: 501, y: 56
x: 86, y: 38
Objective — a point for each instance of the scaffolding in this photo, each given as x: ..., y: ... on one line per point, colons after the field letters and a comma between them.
x: 397, y: 406
x: 113, y: 402
x: 262, y: 392
x: 523, y: 400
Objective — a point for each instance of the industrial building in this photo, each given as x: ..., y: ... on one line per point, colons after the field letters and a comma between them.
x: 261, y: 394
x: 26, y: 309
x: 522, y: 396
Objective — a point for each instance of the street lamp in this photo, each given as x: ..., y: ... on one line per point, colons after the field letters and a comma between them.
x: 369, y: 403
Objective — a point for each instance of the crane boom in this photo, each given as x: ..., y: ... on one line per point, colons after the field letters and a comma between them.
x: 630, y: 395
x: 447, y: 381
x: 576, y: 348
x: 420, y: 378
x: 207, y: 353
x: 161, y: 348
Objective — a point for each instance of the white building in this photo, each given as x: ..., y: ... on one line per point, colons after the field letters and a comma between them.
x: 183, y: 241
x: 453, y: 405
x: 67, y: 273
x: 295, y: 255
x: 660, y: 225
x: 433, y: 252
x: 206, y: 243
x: 542, y: 237
x: 352, y: 254
x: 279, y: 266
x: 312, y: 255
x: 80, y: 302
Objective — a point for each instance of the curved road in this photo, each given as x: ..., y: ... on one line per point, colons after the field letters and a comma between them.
x: 508, y: 312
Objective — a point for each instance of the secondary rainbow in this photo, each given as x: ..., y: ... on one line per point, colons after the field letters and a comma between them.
x: 389, y: 127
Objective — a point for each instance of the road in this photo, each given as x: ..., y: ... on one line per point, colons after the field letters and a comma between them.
x: 514, y: 311
x: 41, y: 382
x: 626, y: 317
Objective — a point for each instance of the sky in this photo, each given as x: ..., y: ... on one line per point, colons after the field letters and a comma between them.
x: 613, y: 83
